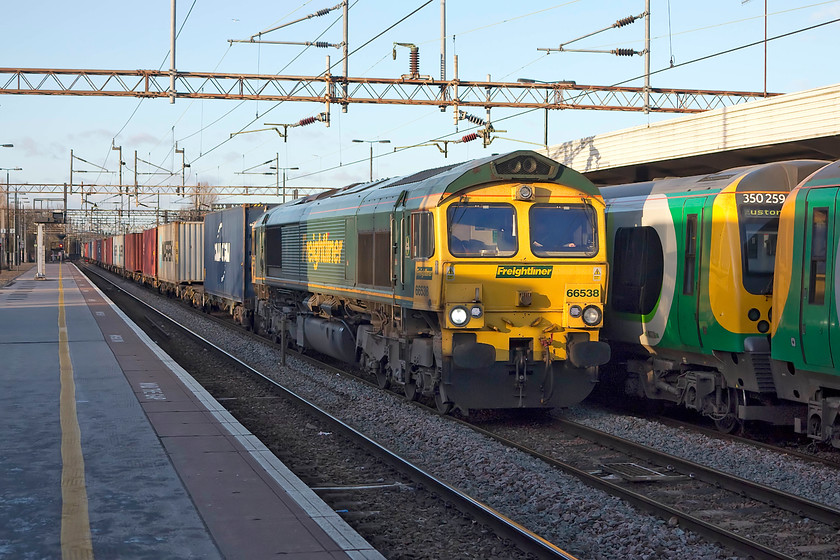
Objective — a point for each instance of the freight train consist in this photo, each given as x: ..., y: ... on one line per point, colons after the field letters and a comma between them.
x: 480, y: 285
x: 691, y: 304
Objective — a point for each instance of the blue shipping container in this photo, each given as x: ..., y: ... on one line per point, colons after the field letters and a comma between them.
x: 227, y: 252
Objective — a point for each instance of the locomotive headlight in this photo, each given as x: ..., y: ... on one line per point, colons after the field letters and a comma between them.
x: 591, y: 315
x: 575, y: 311
x: 459, y: 316
x: 525, y: 192
x: 475, y: 311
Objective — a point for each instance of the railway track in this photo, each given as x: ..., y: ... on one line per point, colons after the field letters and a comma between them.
x: 692, y: 495
x: 721, y: 508
x: 403, y: 483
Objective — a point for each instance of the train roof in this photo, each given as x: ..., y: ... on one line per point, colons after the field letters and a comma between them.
x: 430, y: 187
x: 781, y: 176
x: 828, y: 176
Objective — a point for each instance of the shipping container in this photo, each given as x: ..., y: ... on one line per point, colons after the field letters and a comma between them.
x: 118, y: 258
x: 108, y: 251
x: 180, y: 258
x: 227, y: 252
x: 133, y: 252
x: 148, y: 261
x: 97, y: 251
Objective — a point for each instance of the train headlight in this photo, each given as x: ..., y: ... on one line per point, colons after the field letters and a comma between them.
x: 476, y: 311
x: 591, y: 315
x: 575, y: 311
x: 459, y: 316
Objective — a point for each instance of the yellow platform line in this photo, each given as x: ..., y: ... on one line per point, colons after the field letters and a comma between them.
x: 75, y: 524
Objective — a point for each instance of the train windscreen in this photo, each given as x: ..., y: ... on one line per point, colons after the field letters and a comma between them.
x: 759, y: 232
x: 481, y: 230
x: 562, y: 230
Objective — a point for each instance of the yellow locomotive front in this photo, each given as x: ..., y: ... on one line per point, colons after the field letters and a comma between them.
x: 521, y: 290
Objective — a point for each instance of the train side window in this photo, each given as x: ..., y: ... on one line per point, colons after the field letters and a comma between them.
x: 638, y: 269
x: 365, y: 263
x: 819, y: 243
x: 690, y: 254
x: 422, y: 235
x: 273, y: 250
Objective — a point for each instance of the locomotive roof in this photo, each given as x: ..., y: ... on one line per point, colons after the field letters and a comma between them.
x: 430, y: 187
x: 766, y: 176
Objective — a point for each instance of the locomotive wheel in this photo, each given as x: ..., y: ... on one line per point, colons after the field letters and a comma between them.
x: 383, y: 380
x: 410, y: 390
x: 443, y: 407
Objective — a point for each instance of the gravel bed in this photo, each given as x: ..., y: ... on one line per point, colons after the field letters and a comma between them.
x: 582, y: 520
x: 816, y: 482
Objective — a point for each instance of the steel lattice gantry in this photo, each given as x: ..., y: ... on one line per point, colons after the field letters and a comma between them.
x: 329, y: 89
x: 147, y: 190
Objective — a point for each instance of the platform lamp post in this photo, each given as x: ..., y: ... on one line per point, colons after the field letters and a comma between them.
x: 6, y: 234
x: 7, y: 240
x: 372, y: 142
x: 558, y: 82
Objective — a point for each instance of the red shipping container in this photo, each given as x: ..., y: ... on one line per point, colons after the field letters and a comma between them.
x: 149, y: 256
x: 133, y: 252
x: 108, y: 251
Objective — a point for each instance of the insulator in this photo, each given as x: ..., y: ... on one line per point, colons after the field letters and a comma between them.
x: 470, y: 137
x: 323, y: 12
x: 414, y: 61
x: 473, y: 119
x: 625, y: 21
x: 306, y: 121
x: 321, y: 44
x: 624, y: 52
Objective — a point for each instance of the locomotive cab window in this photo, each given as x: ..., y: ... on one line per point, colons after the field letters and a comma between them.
x: 480, y: 230
x: 563, y: 230
x: 819, y: 244
x: 422, y: 235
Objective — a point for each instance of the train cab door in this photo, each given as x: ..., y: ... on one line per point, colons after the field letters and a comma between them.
x: 399, y: 239
x: 817, y: 276
x: 691, y: 232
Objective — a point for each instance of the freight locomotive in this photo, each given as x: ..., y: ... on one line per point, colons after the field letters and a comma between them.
x: 480, y: 285
x: 689, y: 314
x: 805, y: 336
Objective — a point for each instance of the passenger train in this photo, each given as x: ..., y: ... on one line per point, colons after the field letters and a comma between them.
x: 480, y: 285
x: 691, y: 299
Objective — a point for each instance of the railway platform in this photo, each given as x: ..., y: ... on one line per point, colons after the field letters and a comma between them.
x: 111, y: 450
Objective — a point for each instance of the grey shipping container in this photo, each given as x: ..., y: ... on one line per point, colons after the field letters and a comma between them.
x: 227, y: 252
x: 180, y: 252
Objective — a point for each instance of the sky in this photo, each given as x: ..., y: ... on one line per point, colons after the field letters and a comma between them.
x: 490, y: 37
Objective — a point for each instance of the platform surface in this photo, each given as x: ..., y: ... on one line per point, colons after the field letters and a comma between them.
x: 111, y: 450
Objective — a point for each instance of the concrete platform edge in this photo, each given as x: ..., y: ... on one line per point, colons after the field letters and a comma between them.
x: 338, y: 529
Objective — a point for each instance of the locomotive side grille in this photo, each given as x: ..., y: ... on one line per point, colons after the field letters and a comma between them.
x: 763, y: 373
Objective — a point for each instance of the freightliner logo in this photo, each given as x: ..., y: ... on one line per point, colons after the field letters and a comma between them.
x: 524, y: 271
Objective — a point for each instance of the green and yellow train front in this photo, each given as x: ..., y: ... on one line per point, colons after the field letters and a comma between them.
x: 690, y: 306
x: 806, y: 305
x: 520, y: 285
